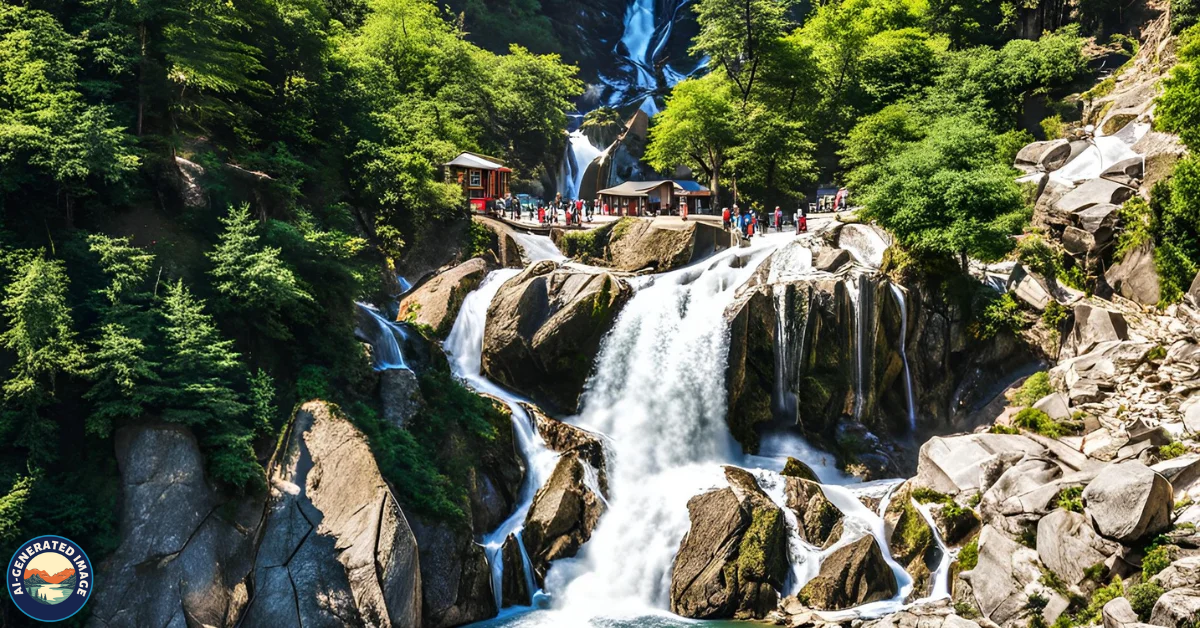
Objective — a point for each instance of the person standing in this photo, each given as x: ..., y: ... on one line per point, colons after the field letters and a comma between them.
x: 778, y: 219
x: 802, y: 220
x: 725, y: 217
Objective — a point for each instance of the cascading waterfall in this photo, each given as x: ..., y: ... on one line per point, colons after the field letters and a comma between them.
x: 1103, y: 152
x: 538, y: 247
x: 386, y: 351
x: 864, y: 319
x: 901, y: 303
x: 464, y: 348
x: 639, y: 31
x: 941, y: 574
x: 580, y: 154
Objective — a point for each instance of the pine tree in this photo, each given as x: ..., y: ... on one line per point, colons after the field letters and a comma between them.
x: 200, y: 366
x: 253, y: 281
x: 262, y: 401
x: 124, y: 380
x: 40, y: 333
x: 199, y: 370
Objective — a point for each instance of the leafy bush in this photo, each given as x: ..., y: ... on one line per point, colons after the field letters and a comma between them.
x: 1173, y: 449
x: 1184, y: 14
x: 1039, y: 422
x: 1033, y: 389
x: 1070, y: 498
x: 1157, y: 559
x: 968, y: 556
x: 1136, y: 226
x: 480, y: 240
x: 1102, y: 596
x: 1003, y: 429
x: 925, y: 495
x: 1001, y: 314
x: 1054, y: 315
x: 1053, y: 127
x: 1142, y: 598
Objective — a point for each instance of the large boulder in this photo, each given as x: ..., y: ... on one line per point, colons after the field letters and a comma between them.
x: 399, y: 395
x: 544, y: 328
x: 336, y: 549
x: 455, y: 577
x: 1135, y: 276
x: 1093, y: 326
x: 733, y: 559
x: 435, y: 303
x: 1022, y: 494
x: 851, y: 575
x: 1128, y: 501
x: 563, y: 515
x: 1177, y: 609
x: 820, y: 521
x: 1127, y: 172
x: 635, y: 244
x: 187, y: 550
x: 749, y: 380
x: 1182, y: 573
x: 1069, y: 546
x: 1090, y: 193
x: 1194, y: 291
x: 955, y: 464
x: 566, y: 438
x: 1045, y: 156
x: 1005, y: 576
x: 911, y: 540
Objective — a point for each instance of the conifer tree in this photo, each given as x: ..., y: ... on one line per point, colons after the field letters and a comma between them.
x: 40, y: 334
x: 253, y: 281
x: 199, y: 372
x: 124, y: 379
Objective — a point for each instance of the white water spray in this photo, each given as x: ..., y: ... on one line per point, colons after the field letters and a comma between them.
x: 464, y: 348
x: 580, y: 154
x: 898, y: 293
x: 386, y: 351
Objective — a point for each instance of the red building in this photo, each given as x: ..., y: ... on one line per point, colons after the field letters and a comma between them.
x: 483, y: 179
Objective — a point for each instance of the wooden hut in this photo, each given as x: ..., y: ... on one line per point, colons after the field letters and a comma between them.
x: 642, y: 198
x: 483, y: 179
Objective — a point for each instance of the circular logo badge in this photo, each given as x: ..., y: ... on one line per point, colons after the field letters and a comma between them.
x: 49, y: 578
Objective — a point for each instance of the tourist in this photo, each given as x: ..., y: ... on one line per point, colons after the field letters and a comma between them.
x: 725, y: 217
x: 541, y: 214
x: 778, y: 219
x: 802, y: 221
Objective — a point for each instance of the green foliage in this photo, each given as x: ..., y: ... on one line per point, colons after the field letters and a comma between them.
x: 926, y: 495
x: 431, y: 463
x: 1179, y: 104
x: 1053, y: 127
x: 1183, y: 14
x: 1142, y: 597
x: 758, y: 560
x: 738, y: 36
x: 1003, y: 429
x: 1136, y: 222
x: 947, y: 196
x: 1033, y: 389
x: 40, y: 334
x: 480, y: 240
x: 1157, y: 559
x: 968, y: 556
x: 1070, y: 499
x: 1039, y: 422
x: 254, y: 283
x: 1001, y: 314
x: 124, y: 379
x: 262, y: 402
x: 12, y: 509
x: 698, y: 126
x: 1173, y: 449
x: 1054, y: 315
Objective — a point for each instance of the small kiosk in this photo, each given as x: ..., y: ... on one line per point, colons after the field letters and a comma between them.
x: 483, y: 179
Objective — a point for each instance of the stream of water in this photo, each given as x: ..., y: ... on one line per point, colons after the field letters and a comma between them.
x: 657, y: 393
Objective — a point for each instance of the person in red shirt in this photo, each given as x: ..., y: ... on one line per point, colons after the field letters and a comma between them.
x: 725, y: 218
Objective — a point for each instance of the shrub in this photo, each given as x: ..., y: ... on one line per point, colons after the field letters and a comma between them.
x: 1039, y: 422
x: 1156, y: 560
x: 480, y: 239
x: 1003, y: 429
x: 1071, y: 498
x: 1002, y: 314
x: 1142, y: 598
x: 968, y: 556
x: 1173, y: 449
x: 1102, y: 596
x: 1136, y: 221
x: 925, y: 495
x: 1054, y: 127
x: 1054, y: 314
x: 1033, y: 389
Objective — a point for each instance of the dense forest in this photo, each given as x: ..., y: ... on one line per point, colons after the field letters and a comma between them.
x: 193, y: 194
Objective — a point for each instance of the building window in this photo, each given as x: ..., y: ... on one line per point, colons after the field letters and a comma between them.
x: 477, y: 194
x: 476, y: 179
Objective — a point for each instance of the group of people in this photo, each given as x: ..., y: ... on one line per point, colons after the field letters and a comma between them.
x: 750, y: 223
x: 558, y: 211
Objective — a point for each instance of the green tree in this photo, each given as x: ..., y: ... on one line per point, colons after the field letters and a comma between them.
x: 697, y: 128
x: 252, y: 280
x: 40, y: 334
x: 947, y: 195
x: 1179, y: 104
x: 124, y: 380
x: 199, y: 373
x: 12, y: 509
x: 738, y: 35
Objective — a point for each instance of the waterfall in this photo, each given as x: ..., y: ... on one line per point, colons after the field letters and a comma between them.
x: 385, y: 349
x: 639, y: 31
x: 864, y: 318
x: 579, y: 155
x: 898, y: 293
x: 464, y: 348
x: 941, y: 574
x: 1103, y: 152
x: 538, y: 247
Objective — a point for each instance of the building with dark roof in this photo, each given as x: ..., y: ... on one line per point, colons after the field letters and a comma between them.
x: 639, y: 198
